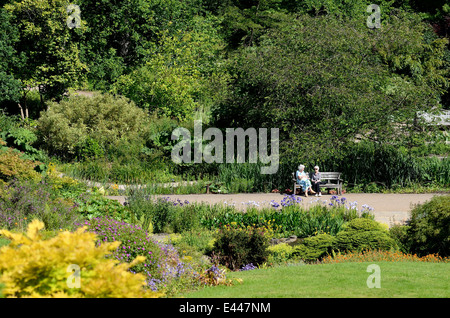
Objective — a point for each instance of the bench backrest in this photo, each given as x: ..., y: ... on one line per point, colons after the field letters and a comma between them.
x: 330, y: 175
x: 324, y: 176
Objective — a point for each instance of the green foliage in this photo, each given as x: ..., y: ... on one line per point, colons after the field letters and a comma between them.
x: 89, y: 124
x: 120, y: 35
x: 89, y: 148
x: 193, y: 243
x: 176, y: 79
x: 49, y: 53
x: 322, y: 105
x: 24, y: 201
x: 293, y: 219
x: 164, y: 214
x: 93, y: 205
x: 280, y: 253
x: 362, y: 234
x: 236, y: 246
x: 4, y: 241
x: 20, y: 135
x: 13, y: 166
x: 400, y: 235
x: 44, y: 273
x: 389, y: 166
x: 315, y: 247
x: 9, y: 86
x: 134, y: 242
x: 429, y: 227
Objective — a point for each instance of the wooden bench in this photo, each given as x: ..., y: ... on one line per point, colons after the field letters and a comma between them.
x: 330, y: 180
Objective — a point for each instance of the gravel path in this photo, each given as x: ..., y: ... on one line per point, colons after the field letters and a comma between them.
x: 388, y: 208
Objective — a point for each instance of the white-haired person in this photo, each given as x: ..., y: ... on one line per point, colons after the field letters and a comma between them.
x: 315, y: 181
x: 303, y: 180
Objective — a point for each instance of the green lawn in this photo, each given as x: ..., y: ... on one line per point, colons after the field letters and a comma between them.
x: 398, y: 279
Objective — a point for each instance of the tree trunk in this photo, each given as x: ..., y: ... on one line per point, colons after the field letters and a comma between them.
x: 21, y: 111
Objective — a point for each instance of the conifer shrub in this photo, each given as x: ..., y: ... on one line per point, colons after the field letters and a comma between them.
x: 362, y: 234
x: 315, y: 247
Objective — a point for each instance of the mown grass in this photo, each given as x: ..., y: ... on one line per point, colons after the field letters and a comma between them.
x: 344, y: 280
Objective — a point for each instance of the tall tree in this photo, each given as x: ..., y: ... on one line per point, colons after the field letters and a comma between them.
x: 9, y: 86
x: 325, y: 81
x: 49, y: 56
x: 182, y: 76
x: 120, y: 35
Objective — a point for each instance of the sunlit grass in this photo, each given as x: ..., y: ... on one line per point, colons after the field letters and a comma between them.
x: 344, y: 280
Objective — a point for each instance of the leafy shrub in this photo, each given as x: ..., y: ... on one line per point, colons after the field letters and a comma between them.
x: 23, y: 201
x: 237, y: 246
x: 401, y: 237
x: 429, y: 227
x: 13, y: 166
x: 195, y: 240
x: 361, y: 234
x: 315, y: 247
x: 89, y: 148
x: 280, y: 253
x: 89, y: 124
x: 19, y: 135
x: 93, y: 205
x: 43, y: 273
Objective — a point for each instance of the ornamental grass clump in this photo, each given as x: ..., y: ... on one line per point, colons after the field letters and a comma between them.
x: 32, y: 267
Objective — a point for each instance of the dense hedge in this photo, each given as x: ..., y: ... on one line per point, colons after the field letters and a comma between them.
x: 429, y: 227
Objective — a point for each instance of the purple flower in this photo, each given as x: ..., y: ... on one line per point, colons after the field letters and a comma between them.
x: 248, y: 267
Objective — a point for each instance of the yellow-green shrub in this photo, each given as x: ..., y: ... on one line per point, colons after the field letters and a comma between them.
x: 280, y: 253
x: 32, y: 267
x: 12, y: 166
x: 58, y: 180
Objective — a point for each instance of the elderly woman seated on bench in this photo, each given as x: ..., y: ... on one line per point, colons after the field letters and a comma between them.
x: 303, y: 180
